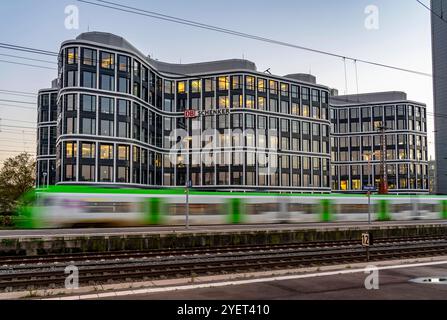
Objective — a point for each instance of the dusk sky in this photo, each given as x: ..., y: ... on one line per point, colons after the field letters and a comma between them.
x: 402, y: 39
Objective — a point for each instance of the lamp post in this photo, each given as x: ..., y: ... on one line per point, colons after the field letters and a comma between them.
x: 45, y: 184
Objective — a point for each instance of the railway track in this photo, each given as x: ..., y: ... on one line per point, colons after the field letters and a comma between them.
x: 99, y: 268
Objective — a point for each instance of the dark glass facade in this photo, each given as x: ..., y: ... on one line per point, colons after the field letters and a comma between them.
x: 356, y: 146
x: 121, y: 121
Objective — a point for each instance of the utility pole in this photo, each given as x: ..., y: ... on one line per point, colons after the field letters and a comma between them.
x: 383, y: 185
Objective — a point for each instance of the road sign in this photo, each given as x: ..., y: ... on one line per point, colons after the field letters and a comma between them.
x: 366, y: 239
x: 190, y: 113
x: 369, y: 188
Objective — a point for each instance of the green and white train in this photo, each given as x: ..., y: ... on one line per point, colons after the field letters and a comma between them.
x: 68, y: 206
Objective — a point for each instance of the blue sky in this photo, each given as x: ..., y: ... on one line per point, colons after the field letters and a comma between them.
x: 403, y: 39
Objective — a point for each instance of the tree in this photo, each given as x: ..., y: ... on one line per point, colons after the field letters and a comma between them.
x: 17, y: 176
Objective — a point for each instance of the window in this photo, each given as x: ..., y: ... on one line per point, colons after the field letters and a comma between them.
x: 223, y: 83
x: 262, y: 85
x: 237, y: 101
x: 273, y: 105
x: 88, y: 57
x: 169, y: 87
x: 236, y: 82
x: 249, y: 101
x: 123, y: 129
x: 88, y: 79
x: 70, y: 172
x: 87, y: 150
x: 209, y: 85
x: 123, y: 153
x: 72, y: 79
x: 88, y: 126
x: 87, y: 173
x: 261, y: 103
x: 223, y: 102
x: 71, y: 125
x: 106, y: 128
x: 72, y: 56
x: 285, y: 107
x: 70, y: 102
x: 250, y: 83
x: 195, y: 86
x: 123, y: 85
x: 106, y: 82
x: 106, y: 105
x: 106, y: 173
x: 106, y: 152
x: 107, y: 60
x: 70, y: 150
x: 88, y: 103
x: 209, y: 103
x: 123, y: 108
x: 181, y: 87
x: 122, y: 174
x: 273, y: 86
x: 305, y: 94
x: 315, y: 96
x: 295, y: 92
x: 136, y: 69
x: 123, y: 63
x: 284, y: 89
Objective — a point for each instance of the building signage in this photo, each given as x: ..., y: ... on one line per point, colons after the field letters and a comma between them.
x: 191, y: 113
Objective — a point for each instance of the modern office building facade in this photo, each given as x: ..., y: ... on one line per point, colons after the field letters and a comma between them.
x: 46, y: 136
x: 124, y: 119
x: 439, y: 54
x: 357, y: 142
x: 121, y: 120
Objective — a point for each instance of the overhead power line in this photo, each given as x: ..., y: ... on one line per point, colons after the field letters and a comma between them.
x: 17, y: 101
x: 17, y: 106
x: 26, y: 58
x: 21, y: 92
x: 432, y: 11
x: 27, y: 64
x: 27, y: 49
x: 156, y: 15
x: 15, y: 120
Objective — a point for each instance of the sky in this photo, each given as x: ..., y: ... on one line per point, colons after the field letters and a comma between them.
x: 401, y: 37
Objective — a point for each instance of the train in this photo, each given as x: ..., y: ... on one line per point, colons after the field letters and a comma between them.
x: 79, y: 206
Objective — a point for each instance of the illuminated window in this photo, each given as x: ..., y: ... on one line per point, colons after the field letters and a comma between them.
x: 195, y: 86
x: 72, y: 55
x: 223, y: 83
x: 344, y: 184
x: 295, y: 108
x: 356, y: 184
x: 237, y: 101
x: 273, y: 86
x: 70, y: 150
x: 107, y: 60
x: 261, y: 103
x: 262, y: 84
x: 306, y: 110
x: 284, y: 89
x: 88, y: 150
x: 181, y: 87
x: 250, y: 83
x: 123, y: 153
x: 223, y: 102
x: 106, y: 151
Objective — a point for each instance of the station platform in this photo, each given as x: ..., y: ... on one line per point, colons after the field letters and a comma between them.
x: 57, y: 241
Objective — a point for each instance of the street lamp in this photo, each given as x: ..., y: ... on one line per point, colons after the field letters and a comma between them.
x: 44, y: 179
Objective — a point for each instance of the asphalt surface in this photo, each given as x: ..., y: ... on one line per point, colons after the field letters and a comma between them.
x: 209, y: 228
x: 393, y: 284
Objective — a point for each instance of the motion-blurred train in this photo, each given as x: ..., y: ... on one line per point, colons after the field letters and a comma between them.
x: 77, y: 206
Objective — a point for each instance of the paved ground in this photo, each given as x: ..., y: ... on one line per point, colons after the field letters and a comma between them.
x: 394, y: 284
x: 195, y: 229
